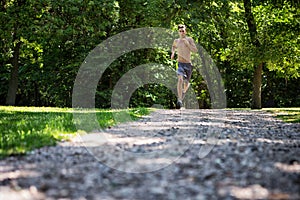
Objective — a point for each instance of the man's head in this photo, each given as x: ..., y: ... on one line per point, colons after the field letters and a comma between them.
x: 182, y: 30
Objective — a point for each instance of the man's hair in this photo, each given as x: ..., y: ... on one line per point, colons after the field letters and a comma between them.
x: 181, y: 26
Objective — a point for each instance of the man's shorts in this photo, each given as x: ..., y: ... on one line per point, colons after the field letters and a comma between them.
x: 185, y: 70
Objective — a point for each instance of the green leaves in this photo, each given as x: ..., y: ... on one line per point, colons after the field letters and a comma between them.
x: 57, y: 36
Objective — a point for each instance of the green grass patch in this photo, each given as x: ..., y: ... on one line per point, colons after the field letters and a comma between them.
x: 25, y: 128
x: 290, y: 115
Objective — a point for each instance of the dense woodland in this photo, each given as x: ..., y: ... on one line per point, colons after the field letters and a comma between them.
x: 254, y: 43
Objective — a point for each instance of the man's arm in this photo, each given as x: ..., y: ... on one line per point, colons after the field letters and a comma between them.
x: 191, y: 44
x: 173, y: 49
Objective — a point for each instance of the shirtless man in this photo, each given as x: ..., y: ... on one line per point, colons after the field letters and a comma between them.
x: 184, y: 46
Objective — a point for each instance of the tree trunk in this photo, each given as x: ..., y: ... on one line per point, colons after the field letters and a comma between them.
x: 14, y: 76
x: 257, y: 81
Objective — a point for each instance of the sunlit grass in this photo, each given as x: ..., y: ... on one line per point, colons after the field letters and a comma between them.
x: 290, y: 115
x: 26, y: 128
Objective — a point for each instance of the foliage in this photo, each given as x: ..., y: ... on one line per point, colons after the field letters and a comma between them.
x: 220, y: 27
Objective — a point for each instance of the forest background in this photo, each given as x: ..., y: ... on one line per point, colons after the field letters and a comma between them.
x: 254, y: 44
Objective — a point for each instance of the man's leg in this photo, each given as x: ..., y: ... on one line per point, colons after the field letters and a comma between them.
x: 186, y: 82
x: 179, y: 91
x: 186, y: 86
x: 179, y: 87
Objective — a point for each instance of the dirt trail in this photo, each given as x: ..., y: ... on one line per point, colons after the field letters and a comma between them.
x: 170, y: 154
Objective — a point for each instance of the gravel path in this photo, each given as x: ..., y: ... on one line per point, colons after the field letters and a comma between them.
x: 171, y: 154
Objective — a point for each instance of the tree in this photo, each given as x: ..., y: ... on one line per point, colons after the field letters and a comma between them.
x: 44, y: 43
x: 257, y: 79
x: 274, y: 41
x: 15, y: 26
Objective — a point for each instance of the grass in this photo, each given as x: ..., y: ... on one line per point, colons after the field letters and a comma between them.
x: 26, y: 128
x: 290, y: 115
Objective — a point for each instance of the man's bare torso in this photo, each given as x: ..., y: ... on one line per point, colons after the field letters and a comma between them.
x: 183, y: 51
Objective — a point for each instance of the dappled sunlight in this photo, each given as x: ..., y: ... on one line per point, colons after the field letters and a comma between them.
x: 8, y: 173
x: 96, y: 139
x: 159, y: 138
x: 290, y: 168
x: 255, y: 191
x: 9, y: 186
x: 270, y: 141
x: 19, y: 194
x: 157, y: 161
x: 250, y: 192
